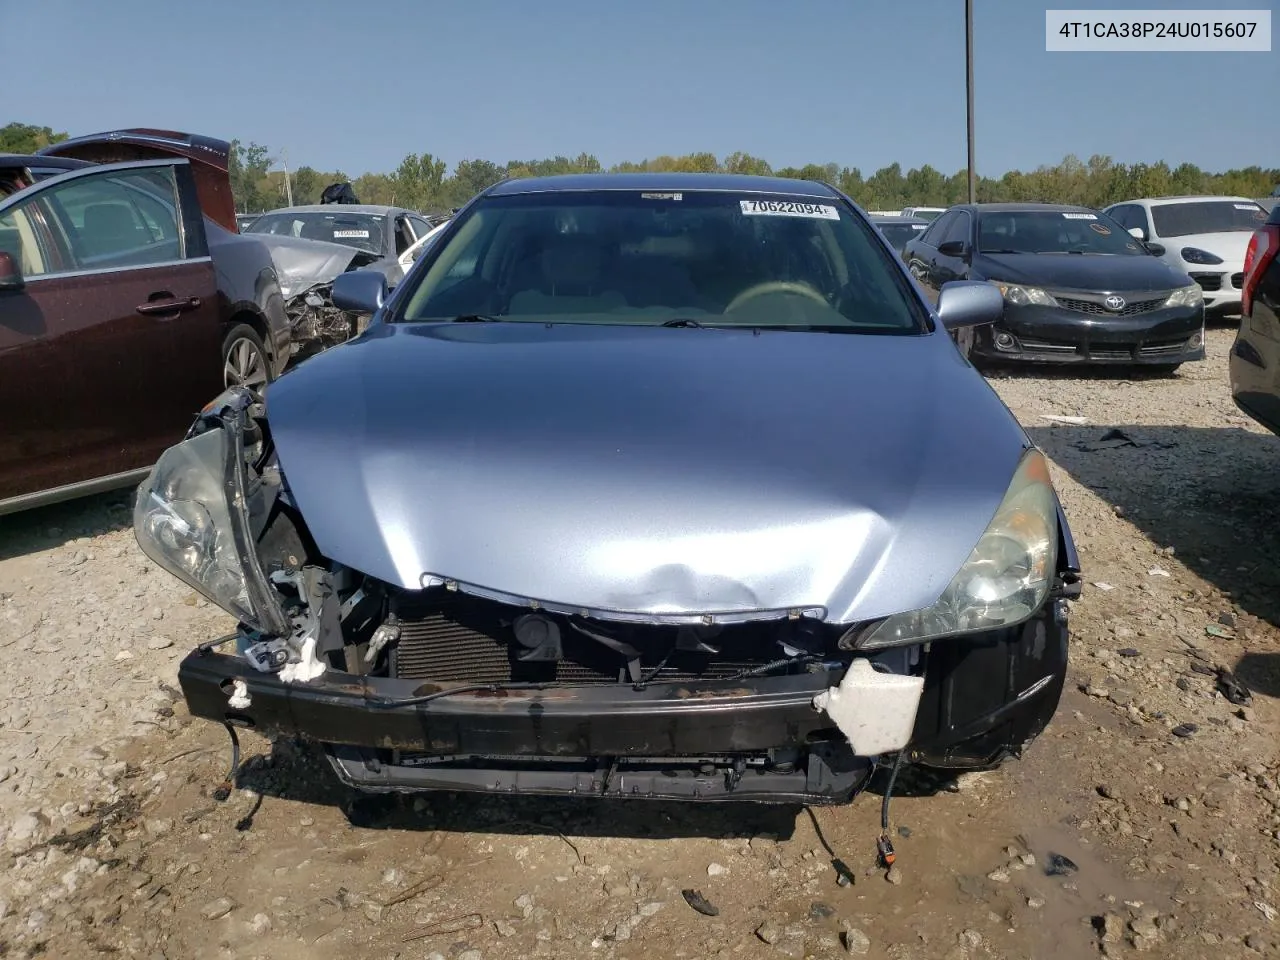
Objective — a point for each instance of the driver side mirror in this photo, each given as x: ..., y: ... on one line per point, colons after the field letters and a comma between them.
x: 359, y: 291
x: 969, y: 303
x: 954, y: 248
x: 10, y: 275
x: 1156, y: 249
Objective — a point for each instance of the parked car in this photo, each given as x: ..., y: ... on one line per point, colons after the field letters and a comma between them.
x: 1254, y: 363
x: 410, y: 256
x: 1204, y: 236
x: 596, y: 506
x: 898, y: 230
x: 1076, y: 287
x: 928, y: 214
x: 126, y: 303
x: 244, y: 219
x: 386, y: 232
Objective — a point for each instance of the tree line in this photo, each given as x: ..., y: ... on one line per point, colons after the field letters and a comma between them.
x: 424, y: 182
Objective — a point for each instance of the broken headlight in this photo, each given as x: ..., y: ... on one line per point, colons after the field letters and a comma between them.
x: 182, y: 521
x: 1007, y: 576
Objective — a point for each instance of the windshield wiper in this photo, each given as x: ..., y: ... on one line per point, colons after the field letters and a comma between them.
x: 681, y: 322
x: 475, y: 318
x: 984, y: 250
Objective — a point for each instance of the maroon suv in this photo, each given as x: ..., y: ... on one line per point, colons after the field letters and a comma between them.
x: 128, y: 299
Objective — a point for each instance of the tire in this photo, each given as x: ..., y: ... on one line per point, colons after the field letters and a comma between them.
x: 245, y: 359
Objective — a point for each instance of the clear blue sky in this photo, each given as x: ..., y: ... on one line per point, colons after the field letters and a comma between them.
x: 357, y: 85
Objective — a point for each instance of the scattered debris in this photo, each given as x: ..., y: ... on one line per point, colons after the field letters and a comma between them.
x: 1157, y: 572
x: 1214, y: 630
x: 1058, y: 865
x: 855, y: 941
x: 1064, y: 419
x: 1184, y: 730
x: 769, y: 932
x: 416, y: 889
x: 717, y: 870
x: 700, y: 903
x: 1129, y: 652
x: 1231, y: 688
x: 468, y: 921
x: 821, y: 911
x: 1103, y: 586
x: 1114, y: 438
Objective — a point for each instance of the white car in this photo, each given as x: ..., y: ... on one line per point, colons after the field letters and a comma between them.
x: 1204, y: 236
x: 923, y: 213
x: 411, y: 255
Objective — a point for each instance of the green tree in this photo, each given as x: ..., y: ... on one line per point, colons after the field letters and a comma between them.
x: 419, y: 182
x: 747, y: 164
x: 25, y: 138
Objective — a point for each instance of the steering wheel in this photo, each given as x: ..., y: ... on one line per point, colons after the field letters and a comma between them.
x: 775, y: 286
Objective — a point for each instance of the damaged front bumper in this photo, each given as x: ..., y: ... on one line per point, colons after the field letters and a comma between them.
x: 779, y: 739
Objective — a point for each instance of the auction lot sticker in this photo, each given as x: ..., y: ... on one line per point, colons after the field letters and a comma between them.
x: 789, y: 208
x: 1172, y: 31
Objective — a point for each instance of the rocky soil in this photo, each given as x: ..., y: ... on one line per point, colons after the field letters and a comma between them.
x: 1146, y: 820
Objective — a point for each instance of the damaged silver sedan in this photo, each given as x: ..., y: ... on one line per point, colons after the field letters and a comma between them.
x: 638, y: 485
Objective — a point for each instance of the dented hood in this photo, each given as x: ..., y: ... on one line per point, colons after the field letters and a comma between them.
x: 301, y: 264
x: 645, y: 470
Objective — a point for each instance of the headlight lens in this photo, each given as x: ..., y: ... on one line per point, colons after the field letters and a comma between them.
x: 1196, y: 255
x: 183, y: 523
x: 1007, y: 576
x: 1191, y: 296
x: 1025, y: 296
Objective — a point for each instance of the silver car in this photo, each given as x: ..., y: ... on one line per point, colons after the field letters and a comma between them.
x: 655, y: 485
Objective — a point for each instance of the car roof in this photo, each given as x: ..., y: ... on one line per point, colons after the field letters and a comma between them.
x: 1189, y: 198
x: 881, y: 218
x: 339, y: 208
x: 1025, y: 207
x: 36, y: 160
x: 663, y: 182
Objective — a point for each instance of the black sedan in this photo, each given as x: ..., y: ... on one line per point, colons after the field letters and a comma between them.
x: 899, y: 230
x: 1077, y: 288
x: 1255, y: 357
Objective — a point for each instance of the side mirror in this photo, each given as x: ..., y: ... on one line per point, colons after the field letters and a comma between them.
x: 360, y: 291
x: 1137, y: 233
x: 969, y: 303
x: 1155, y: 249
x: 954, y: 248
x: 10, y: 275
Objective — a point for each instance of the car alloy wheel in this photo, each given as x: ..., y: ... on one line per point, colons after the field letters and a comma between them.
x: 244, y: 360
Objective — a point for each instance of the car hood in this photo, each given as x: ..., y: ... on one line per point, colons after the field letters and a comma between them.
x: 648, y: 471
x: 1231, y: 246
x: 301, y: 264
x: 1072, y: 271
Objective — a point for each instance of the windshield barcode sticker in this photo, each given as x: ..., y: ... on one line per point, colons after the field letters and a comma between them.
x: 356, y: 234
x: 1080, y: 216
x: 789, y: 208
x: 918, y: 226
x: 1245, y: 206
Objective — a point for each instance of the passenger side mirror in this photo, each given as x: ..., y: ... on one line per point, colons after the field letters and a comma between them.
x: 954, y: 248
x: 360, y: 291
x: 10, y: 275
x: 1137, y: 233
x: 969, y: 303
x: 1156, y: 249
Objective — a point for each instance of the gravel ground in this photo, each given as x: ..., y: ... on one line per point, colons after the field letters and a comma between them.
x: 1160, y: 792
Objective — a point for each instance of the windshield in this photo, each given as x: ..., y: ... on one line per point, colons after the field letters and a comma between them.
x: 712, y: 258
x: 899, y: 233
x: 1206, y: 216
x: 1053, y: 231
x: 360, y: 230
x: 929, y: 215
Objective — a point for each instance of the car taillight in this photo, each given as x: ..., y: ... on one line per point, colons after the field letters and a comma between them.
x: 1263, y: 246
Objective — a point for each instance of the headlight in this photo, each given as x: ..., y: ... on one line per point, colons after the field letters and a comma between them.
x: 1007, y: 576
x: 183, y: 523
x: 1191, y: 296
x: 1025, y: 296
x: 1196, y: 255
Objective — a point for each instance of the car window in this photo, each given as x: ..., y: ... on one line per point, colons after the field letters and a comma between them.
x: 720, y: 258
x: 103, y: 221
x: 360, y: 230
x: 420, y: 227
x: 1122, y: 215
x: 938, y: 229
x: 957, y: 229
x: 1053, y: 231
x: 20, y: 239
x: 1207, y: 216
x: 404, y: 235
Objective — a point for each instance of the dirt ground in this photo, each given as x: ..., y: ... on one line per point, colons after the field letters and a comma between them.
x: 1159, y: 791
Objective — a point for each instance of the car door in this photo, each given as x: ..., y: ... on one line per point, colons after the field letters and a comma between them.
x: 110, y: 344
x: 951, y: 265
x: 924, y: 251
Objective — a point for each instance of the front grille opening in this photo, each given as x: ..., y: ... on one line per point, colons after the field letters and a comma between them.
x: 1100, y: 310
x: 450, y: 637
x: 1208, y: 281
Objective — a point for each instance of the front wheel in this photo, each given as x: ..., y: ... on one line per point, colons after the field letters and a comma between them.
x: 244, y: 359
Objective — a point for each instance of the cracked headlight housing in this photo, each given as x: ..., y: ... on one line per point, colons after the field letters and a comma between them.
x: 182, y: 521
x: 1017, y: 296
x: 1007, y: 576
x: 1191, y: 296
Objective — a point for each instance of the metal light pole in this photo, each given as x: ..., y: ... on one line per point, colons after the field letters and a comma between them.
x: 968, y: 66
